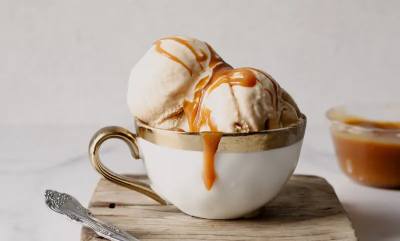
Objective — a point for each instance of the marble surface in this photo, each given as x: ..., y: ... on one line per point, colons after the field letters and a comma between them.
x: 36, y: 158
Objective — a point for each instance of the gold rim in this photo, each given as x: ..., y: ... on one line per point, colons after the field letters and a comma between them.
x: 230, y: 142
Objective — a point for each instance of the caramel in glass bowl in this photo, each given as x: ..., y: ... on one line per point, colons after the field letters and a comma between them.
x: 367, y: 142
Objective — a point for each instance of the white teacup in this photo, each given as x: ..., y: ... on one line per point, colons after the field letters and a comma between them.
x: 251, y: 168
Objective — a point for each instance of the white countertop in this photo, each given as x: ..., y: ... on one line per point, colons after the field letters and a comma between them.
x: 34, y: 159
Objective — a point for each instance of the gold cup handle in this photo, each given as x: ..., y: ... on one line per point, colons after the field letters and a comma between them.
x: 131, y: 140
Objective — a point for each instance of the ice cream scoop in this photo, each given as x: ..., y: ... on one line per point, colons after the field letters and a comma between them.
x: 182, y: 84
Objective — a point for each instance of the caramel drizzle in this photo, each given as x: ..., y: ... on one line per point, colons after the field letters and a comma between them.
x: 273, y: 83
x: 270, y: 95
x: 221, y: 73
x: 214, y: 58
x: 167, y: 54
x: 199, y: 58
x: 196, y: 113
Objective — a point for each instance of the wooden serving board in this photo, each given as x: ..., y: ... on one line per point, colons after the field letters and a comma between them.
x: 306, y: 209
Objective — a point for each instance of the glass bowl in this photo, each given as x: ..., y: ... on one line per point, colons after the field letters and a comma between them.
x: 366, y: 138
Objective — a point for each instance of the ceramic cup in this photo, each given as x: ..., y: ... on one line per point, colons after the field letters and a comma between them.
x: 251, y: 168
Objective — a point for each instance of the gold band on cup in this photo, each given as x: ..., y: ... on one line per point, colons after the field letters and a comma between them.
x: 230, y: 142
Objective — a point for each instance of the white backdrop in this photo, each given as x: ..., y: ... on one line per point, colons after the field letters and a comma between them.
x: 68, y: 62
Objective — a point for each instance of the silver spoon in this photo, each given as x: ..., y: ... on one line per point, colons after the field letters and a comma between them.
x: 69, y: 207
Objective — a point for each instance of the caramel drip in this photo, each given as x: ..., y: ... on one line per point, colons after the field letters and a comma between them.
x: 273, y: 83
x: 210, y: 141
x: 165, y: 53
x: 198, y: 115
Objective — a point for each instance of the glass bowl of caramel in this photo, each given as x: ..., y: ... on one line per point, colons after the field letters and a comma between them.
x: 366, y: 138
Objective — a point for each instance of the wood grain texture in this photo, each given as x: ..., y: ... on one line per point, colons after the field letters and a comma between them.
x: 306, y: 209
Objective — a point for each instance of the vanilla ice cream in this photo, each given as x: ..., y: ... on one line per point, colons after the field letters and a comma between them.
x: 182, y: 84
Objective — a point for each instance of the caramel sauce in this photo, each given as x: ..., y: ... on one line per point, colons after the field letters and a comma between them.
x: 165, y: 53
x: 210, y: 141
x: 199, y: 58
x: 270, y: 95
x: 214, y: 58
x: 207, y: 116
x: 191, y: 109
x: 373, y: 124
x: 273, y: 83
x: 197, y: 114
x: 372, y: 160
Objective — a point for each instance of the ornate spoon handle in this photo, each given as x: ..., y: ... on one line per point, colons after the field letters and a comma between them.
x: 69, y: 207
